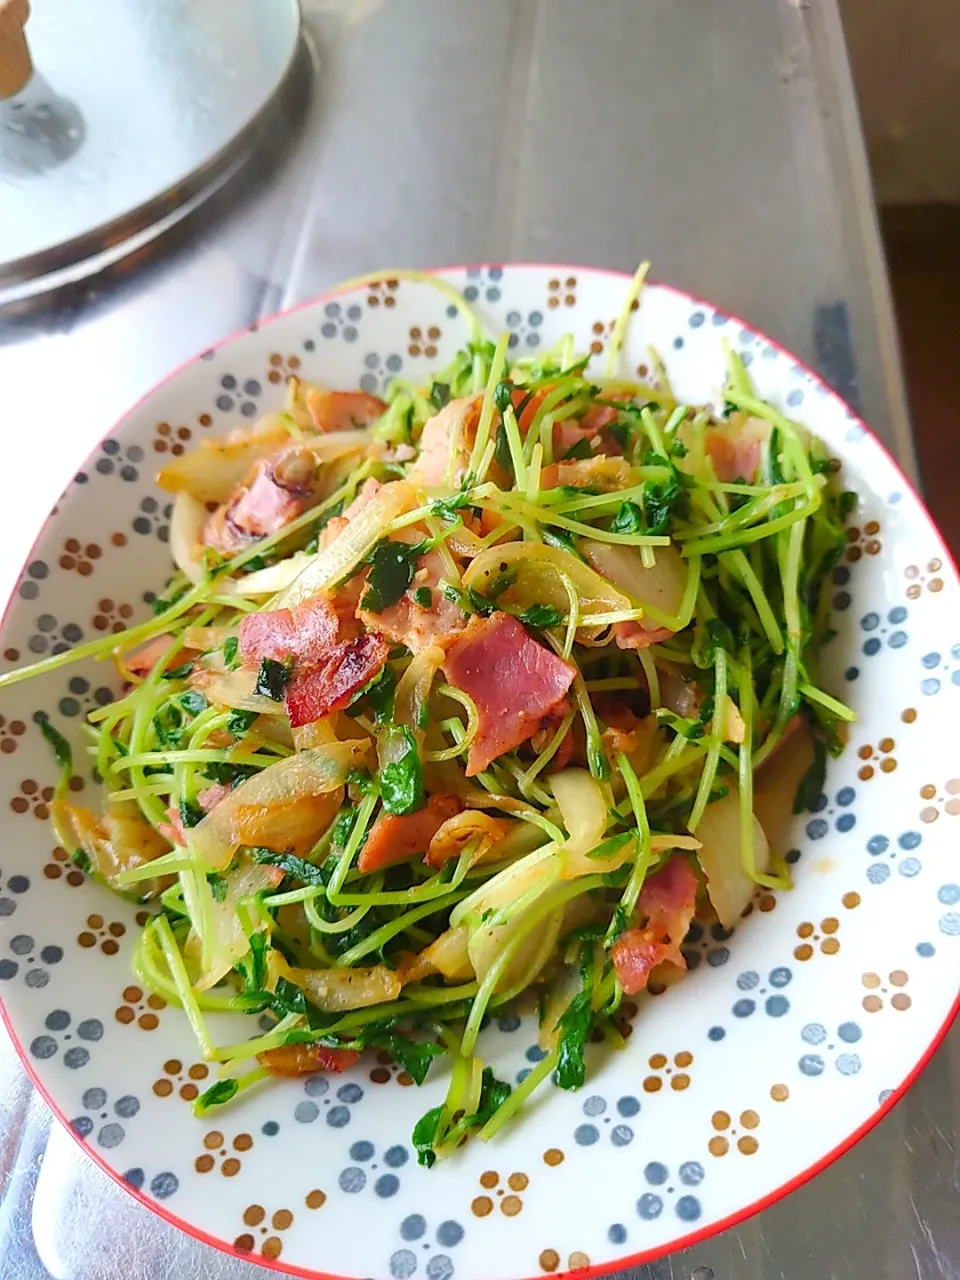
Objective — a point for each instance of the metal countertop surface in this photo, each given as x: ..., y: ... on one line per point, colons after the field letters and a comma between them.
x: 719, y: 139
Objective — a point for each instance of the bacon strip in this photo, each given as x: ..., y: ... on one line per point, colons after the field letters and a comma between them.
x: 304, y: 633
x: 514, y: 682
x: 313, y: 692
x: 394, y: 838
x: 668, y: 901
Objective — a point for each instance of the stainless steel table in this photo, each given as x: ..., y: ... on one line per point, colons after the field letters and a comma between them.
x: 718, y: 137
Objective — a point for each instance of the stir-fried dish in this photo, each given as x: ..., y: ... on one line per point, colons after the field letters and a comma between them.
x: 461, y: 699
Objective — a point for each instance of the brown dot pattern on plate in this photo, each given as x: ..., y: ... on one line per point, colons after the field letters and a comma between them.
x: 61, y: 867
x: 779, y: 1092
x: 577, y: 1261
x: 174, y: 440
x: 736, y: 1133
x: 863, y: 542
x: 111, y: 616
x: 549, y: 1260
x: 11, y: 731
x: 817, y: 936
x: 139, y: 1008
x: 382, y: 292
x: 185, y: 1081
x: 98, y: 932
x: 282, y: 367
x: 78, y: 557
x: 881, y: 993
x: 946, y: 799
x: 919, y: 578
x: 32, y: 798
x: 876, y: 758
x: 423, y: 342
x: 315, y: 1199
x: 553, y: 1156
x: 562, y: 292
x: 674, y: 1073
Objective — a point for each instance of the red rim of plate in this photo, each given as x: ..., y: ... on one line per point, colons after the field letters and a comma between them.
x: 628, y: 1260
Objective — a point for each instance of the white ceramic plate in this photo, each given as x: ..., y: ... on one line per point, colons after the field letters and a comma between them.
x: 784, y: 1044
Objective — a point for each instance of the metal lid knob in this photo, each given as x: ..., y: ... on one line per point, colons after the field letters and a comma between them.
x: 16, y: 66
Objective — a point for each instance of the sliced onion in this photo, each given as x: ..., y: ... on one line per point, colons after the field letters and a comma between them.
x: 509, y: 884
x: 413, y: 688
x: 288, y: 805
x: 121, y: 841
x: 273, y: 577
x: 584, y: 813
x: 203, y: 639
x: 448, y: 955
x: 227, y: 941
x: 337, y: 990
x: 213, y: 470
x: 775, y: 786
x: 234, y: 689
x: 729, y: 886
x: 539, y: 579
x: 346, y: 551
x: 661, y: 587
x: 186, y: 535
x: 457, y: 832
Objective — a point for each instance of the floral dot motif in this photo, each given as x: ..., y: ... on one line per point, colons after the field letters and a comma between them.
x: 218, y: 1149
x: 508, y: 1196
x: 767, y: 996
x: 82, y: 697
x: 947, y: 800
x: 379, y: 371
x: 423, y: 341
x: 99, y: 932
x: 883, y: 630
x: 354, y: 1178
x: 838, y: 810
x: 562, y: 292
x: 80, y: 558
x: 267, y: 1226
x: 822, y: 936
x: 863, y: 542
x: 674, y: 1072
x: 111, y: 616
x: 928, y: 577
x: 845, y: 1062
x: 235, y: 394
x: 341, y: 321
x: 483, y: 282
x: 154, y: 519
x: 383, y: 293
x: 29, y: 588
x: 95, y: 1120
x: 53, y: 637
x: 524, y: 328
x: 59, y: 1030
x: 280, y: 367
x: 884, y: 851
x: 873, y: 1002
x: 177, y: 1078
x: 139, y: 1009
x: 387, y: 1070
x: 119, y: 461
x: 28, y: 961
x: 934, y: 661
x: 162, y: 1186
x: 415, y: 1230
x: 32, y: 798
x: 174, y: 439
x: 652, y: 1204
x: 875, y: 758
x: 600, y: 333
x: 706, y: 943
x: 729, y: 1133
x: 61, y: 866
x: 11, y: 731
